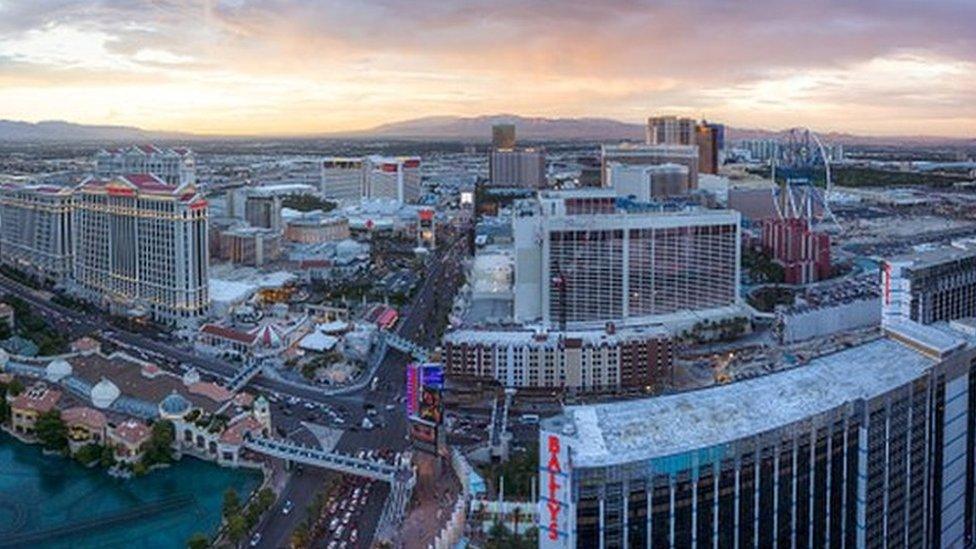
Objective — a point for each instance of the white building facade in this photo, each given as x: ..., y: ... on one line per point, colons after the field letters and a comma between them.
x: 175, y: 166
x: 141, y: 245
x: 36, y: 231
x: 584, y: 270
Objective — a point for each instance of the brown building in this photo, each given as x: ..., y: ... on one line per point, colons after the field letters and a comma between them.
x: 584, y: 361
x: 707, y: 139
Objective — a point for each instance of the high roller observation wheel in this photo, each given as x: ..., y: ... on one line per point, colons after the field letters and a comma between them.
x: 800, y: 139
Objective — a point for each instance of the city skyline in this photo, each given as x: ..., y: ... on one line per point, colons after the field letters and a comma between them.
x: 289, y: 67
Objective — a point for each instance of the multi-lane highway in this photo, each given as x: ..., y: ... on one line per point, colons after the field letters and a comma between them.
x: 437, y: 287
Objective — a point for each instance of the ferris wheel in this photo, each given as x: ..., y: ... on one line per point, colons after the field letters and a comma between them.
x: 801, y: 176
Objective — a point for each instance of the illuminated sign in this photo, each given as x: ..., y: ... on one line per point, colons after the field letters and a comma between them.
x: 555, y: 507
x: 413, y: 387
x: 432, y: 375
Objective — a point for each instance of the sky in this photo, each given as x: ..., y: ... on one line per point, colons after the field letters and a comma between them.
x: 878, y: 67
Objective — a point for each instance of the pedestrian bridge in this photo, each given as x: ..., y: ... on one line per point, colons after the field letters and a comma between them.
x: 244, y: 376
x: 399, y: 343
x: 315, y: 457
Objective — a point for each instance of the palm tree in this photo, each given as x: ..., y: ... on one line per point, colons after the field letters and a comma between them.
x: 516, y: 515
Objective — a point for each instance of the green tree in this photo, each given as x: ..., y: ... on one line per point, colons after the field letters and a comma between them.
x: 266, y: 498
x: 231, y: 505
x: 51, y: 431
x: 89, y: 453
x: 236, y: 528
x: 107, y: 459
x: 300, y: 535
x: 15, y: 387
x: 198, y: 541
x: 159, y: 449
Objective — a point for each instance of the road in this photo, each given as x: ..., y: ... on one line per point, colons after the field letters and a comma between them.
x: 437, y: 288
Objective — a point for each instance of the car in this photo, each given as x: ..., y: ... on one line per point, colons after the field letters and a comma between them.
x: 354, y: 535
x: 309, y: 406
x: 287, y: 507
x: 255, y: 539
x: 334, y: 523
x: 346, y: 517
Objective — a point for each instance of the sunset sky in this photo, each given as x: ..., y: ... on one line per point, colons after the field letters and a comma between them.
x: 884, y: 67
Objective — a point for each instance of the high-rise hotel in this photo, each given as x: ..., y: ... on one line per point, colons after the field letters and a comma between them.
x: 36, y: 231
x: 871, y: 446
x: 580, y: 261
x: 141, y: 246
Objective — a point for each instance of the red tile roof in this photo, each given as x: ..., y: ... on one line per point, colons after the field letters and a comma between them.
x: 132, y: 432
x: 210, y: 390
x: 83, y: 415
x: 235, y: 433
x: 37, y: 398
x: 229, y: 333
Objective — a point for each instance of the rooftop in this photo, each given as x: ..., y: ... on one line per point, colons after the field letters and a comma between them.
x: 633, y: 430
x: 127, y: 375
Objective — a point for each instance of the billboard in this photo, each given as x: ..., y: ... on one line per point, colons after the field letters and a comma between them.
x: 431, y: 405
x: 413, y: 388
x: 555, y: 492
x: 432, y: 375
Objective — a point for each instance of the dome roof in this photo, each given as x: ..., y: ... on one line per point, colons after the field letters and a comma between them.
x: 191, y: 376
x: 104, y: 393
x: 174, y: 405
x: 57, y: 370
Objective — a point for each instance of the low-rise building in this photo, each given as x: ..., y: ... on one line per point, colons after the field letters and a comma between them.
x: 315, y: 229
x: 26, y: 407
x: 85, y: 426
x: 128, y: 440
x: 587, y: 361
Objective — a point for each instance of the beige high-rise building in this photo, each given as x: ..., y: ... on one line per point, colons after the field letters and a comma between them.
x: 670, y: 130
x: 35, y: 230
x: 517, y: 168
x: 140, y: 246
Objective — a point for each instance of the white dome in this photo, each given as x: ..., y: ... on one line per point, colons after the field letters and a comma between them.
x: 191, y: 376
x: 57, y: 370
x: 104, y: 393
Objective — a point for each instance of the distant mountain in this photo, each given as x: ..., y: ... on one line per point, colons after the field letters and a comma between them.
x: 478, y: 128
x: 528, y: 128
x: 57, y: 130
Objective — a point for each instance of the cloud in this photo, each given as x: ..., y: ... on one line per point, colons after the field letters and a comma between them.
x: 875, y: 65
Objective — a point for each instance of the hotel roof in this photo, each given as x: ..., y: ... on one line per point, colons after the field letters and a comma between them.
x: 634, y: 430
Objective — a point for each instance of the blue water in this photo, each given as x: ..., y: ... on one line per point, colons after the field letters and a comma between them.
x: 39, y: 492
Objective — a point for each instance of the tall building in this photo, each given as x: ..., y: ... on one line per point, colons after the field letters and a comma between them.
x: 263, y: 211
x: 931, y: 285
x: 803, y: 253
x: 708, y: 138
x: 517, y: 168
x: 503, y: 136
x: 648, y: 182
x: 872, y: 446
x: 580, y: 262
x: 250, y: 246
x: 670, y: 130
x: 343, y: 179
x: 175, y: 166
x: 36, y: 231
x: 396, y: 178
x: 141, y: 247
x: 650, y: 155
x: 372, y: 177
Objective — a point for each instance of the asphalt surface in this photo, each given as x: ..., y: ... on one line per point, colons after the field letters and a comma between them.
x: 436, y: 290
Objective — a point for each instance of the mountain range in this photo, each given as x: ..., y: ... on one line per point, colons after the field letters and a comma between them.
x: 476, y: 128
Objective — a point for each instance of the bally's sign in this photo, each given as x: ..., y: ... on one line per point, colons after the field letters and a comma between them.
x: 555, y: 492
